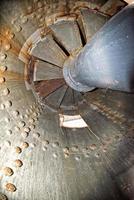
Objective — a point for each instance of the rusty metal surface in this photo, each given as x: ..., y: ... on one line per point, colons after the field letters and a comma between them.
x: 29, y: 71
x: 111, y: 7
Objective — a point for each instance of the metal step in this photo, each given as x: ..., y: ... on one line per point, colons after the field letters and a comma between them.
x: 54, y: 100
x: 68, y: 101
x: 67, y: 34
x: 46, y: 87
x: 90, y: 22
x: 46, y: 71
x: 48, y: 50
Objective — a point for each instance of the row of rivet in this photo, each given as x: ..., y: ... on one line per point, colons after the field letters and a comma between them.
x: 7, y: 171
x: 115, y: 116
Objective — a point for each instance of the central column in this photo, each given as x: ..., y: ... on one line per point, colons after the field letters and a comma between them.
x: 107, y: 61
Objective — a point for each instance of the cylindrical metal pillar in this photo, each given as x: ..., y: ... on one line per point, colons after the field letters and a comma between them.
x: 108, y: 60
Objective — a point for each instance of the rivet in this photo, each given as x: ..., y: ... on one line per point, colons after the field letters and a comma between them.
x: 24, y: 145
x: 27, y: 129
x: 8, y: 171
x: 2, y: 106
x: 45, y: 142
x: 13, y: 21
x: 55, y: 155
x: 87, y: 155
x: 3, y: 197
x: 7, y: 119
x: 18, y: 28
x: 85, y: 149
x: 36, y: 135
x: 11, y: 35
x: 30, y: 110
x: 24, y: 134
x: 31, y: 120
x: 66, y: 150
x: 35, y: 114
x: 6, y: 91
x: 7, y: 47
x: 8, y: 104
x: 16, y: 128
x: 7, y: 143
x: 77, y: 158
x: 18, y: 163
x: 21, y: 117
x: 3, y: 56
x: 74, y: 148
x: 15, y: 113
x: 92, y: 146
x: 3, y: 68
x: 97, y: 155
x: 32, y: 145
x: 27, y: 111
x: 21, y: 123
x: 32, y: 126
x: 36, y: 119
x: 24, y: 20
x: 18, y: 150
x: 10, y: 187
x: 66, y: 155
x: 55, y: 144
x: 2, y: 80
x: 104, y: 150
x: 26, y: 116
x: 9, y: 132
x: 44, y: 148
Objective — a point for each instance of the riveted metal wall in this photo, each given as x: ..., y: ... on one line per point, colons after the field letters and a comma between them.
x: 39, y: 160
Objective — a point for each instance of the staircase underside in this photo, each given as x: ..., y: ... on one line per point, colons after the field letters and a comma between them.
x: 59, y: 163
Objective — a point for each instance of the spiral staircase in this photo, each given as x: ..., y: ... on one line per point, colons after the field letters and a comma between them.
x: 41, y: 158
